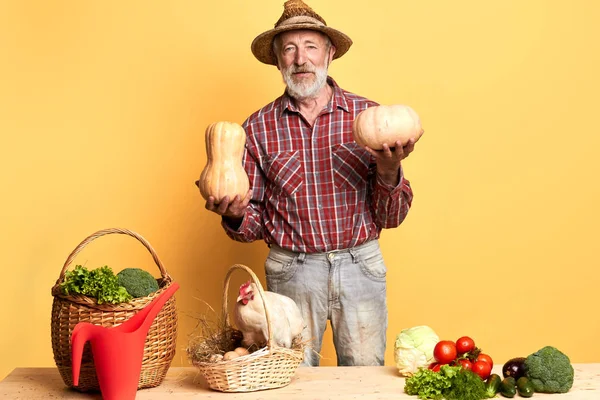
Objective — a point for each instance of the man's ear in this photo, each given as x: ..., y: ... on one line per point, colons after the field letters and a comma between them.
x: 332, y: 51
x: 277, y: 62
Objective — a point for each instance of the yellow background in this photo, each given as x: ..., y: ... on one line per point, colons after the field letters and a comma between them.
x: 103, y: 107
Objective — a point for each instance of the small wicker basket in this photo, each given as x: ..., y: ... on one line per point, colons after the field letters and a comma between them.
x: 268, y: 368
x: 68, y: 311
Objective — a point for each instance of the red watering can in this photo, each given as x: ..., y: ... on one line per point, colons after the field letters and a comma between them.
x: 118, y: 351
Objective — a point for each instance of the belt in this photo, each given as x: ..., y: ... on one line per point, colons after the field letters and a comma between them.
x: 328, y: 254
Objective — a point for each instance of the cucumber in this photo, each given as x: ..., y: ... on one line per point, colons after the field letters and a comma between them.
x: 492, y: 385
x: 524, y: 387
x: 507, y: 387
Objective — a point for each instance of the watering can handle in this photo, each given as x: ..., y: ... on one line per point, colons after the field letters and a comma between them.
x: 82, y: 332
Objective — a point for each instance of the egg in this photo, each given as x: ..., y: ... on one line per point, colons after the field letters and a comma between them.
x: 230, y: 355
x: 242, y: 351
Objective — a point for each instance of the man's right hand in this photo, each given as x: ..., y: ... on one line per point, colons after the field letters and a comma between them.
x: 231, y: 209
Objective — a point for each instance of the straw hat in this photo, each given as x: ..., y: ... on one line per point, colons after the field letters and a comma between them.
x: 297, y: 15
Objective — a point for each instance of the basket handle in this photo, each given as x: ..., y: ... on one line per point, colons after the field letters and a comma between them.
x: 109, y: 231
x: 260, y: 291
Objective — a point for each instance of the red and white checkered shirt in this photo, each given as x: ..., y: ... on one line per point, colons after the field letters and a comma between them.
x: 313, y: 188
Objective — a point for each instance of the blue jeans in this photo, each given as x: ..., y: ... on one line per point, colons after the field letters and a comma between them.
x: 347, y: 287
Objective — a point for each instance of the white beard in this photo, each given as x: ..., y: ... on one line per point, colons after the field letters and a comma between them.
x: 304, y: 90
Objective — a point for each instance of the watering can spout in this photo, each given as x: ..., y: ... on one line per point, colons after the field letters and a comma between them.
x: 143, y: 320
x: 118, y: 351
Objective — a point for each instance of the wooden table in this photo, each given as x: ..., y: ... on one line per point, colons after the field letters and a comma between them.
x: 367, y: 383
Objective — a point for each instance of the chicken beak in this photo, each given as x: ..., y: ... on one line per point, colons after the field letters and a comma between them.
x: 239, y: 298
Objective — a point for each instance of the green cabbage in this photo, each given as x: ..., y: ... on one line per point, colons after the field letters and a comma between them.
x: 414, y: 349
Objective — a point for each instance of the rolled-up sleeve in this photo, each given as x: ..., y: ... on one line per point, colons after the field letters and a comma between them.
x: 391, y: 203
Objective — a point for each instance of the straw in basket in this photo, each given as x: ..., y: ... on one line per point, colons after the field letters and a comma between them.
x: 268, y: 368
x: 68, y: 311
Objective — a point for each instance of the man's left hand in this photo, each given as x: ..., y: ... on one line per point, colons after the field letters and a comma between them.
x: 388, y: 160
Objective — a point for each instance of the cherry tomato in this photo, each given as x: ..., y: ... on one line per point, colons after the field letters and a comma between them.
x: 444, y: 351
x: 482, y: 369
x: 486, y: 358
x: 464, y: 344
x: 435, y: 367
x: 466, y: 364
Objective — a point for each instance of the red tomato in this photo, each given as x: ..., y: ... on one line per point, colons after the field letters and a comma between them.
x: 482, y: 369
x: 444, y: 351
x: 435, y: 367
x: 466, y: 364
x: 464, y: 344
x: 486, y: 358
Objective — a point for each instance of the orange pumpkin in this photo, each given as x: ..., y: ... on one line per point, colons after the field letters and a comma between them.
x: 386, y: 124
x: 224, y: 174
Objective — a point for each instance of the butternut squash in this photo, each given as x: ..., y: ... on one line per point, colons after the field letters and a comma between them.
x: 224, y: 174
x: 386, y: 124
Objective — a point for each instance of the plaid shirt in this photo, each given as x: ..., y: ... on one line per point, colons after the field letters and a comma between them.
x: 313, y: 188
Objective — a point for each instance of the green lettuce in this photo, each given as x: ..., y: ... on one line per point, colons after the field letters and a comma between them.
x: 100, y: 283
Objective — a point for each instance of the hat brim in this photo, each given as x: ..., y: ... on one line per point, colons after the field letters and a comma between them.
x: 262, y: 45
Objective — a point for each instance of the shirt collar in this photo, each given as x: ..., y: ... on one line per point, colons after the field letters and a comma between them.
x: 338, y: 100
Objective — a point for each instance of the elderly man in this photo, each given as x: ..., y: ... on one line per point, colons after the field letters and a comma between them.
x: 317, y: 198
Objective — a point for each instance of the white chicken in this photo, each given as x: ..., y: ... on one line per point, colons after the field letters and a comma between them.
x: 249, y: 316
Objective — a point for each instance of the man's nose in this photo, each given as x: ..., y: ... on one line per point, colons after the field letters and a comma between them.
x: 300, y: 57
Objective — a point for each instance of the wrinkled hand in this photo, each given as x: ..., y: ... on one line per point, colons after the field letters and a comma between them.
x: 229, y: 208
x: 388, y: 159
x: 234, y: 209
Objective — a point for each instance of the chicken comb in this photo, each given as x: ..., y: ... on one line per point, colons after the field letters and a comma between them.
x: 245, y: 287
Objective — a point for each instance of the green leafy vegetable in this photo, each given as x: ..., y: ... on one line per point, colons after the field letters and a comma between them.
x: 452, y: 383
x: 413, y: 349
x: 466, y: 385
x: 100, y: 283
x: 427, y: 384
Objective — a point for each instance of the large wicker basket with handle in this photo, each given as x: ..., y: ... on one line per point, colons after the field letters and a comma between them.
x: 271, y: 367
x: 68, y: 311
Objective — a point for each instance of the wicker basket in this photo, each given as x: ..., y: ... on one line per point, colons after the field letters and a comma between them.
x: 268, y: 368
x: 68, y: 311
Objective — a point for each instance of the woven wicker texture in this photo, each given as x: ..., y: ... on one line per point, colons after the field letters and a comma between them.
x: 297, y: 15
x: 295, y: 8
x: 268, y: 368
x: 68, y: 311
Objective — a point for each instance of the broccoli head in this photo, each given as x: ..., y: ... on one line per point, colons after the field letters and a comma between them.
x: 549, y: 370
x: 137, y: 282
